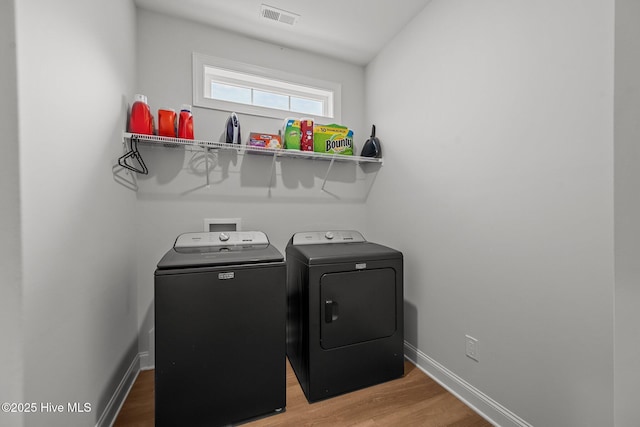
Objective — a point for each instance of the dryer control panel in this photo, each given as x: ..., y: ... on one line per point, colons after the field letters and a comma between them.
x: 327, y: 237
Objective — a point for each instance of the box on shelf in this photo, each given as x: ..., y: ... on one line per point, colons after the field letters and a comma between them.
x: 264, y: 140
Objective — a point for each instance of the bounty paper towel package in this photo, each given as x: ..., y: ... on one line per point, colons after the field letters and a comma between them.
x: 334, y: 139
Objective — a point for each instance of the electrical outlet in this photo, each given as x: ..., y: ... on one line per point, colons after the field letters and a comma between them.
x: 471, y: 347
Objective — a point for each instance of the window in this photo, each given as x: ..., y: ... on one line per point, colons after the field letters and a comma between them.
x: 227, y: 85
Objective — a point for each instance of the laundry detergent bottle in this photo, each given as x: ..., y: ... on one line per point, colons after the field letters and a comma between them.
x: 141, y: 120
x: 185, y: 122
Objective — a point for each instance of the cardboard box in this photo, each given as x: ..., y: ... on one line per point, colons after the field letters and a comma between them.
x: 264, y: 140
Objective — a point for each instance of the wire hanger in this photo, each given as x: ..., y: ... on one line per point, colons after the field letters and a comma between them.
x: 135, y: 154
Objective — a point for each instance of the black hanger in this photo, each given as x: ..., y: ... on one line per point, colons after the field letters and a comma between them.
x: 135, y: 154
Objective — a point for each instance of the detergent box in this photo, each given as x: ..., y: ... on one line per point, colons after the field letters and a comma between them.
x: 264, y: 140
x: 291, y: 134
x: 334, y: 139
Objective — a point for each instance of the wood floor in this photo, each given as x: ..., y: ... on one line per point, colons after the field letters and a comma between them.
x: 414, y: 400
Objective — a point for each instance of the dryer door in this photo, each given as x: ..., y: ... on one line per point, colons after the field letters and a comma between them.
x: 357, y: 306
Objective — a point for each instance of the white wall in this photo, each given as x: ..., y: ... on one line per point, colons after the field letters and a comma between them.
x: 173, y: 199
x: 497, y: 127
x: 76, y: 68
x: 11, y: 365
x: 627, y: 177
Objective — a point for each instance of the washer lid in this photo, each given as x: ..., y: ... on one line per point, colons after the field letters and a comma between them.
x: 219, y: 249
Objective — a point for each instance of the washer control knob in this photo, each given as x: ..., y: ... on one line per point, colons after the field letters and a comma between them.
x: 223, y: 237
x: 329, y: 235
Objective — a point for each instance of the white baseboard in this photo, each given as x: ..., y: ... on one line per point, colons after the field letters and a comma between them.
x: 108, y: 416
x: 485, y: 406
x: 146, y: 361
x: 147, y: 358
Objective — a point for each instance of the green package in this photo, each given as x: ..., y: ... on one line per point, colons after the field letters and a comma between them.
x: 291, y: 134
x: 333, y: 139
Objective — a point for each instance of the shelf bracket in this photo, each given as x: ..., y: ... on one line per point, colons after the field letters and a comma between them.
x: 273, y: 166
x: 326, y: 176
x: 206, y: 162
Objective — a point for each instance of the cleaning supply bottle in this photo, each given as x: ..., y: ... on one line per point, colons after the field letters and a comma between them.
x: 167, y: 122
x: 141, y: 120
x: 185, y: 122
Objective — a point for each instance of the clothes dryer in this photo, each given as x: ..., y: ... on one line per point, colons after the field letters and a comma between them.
x: 345, y: 312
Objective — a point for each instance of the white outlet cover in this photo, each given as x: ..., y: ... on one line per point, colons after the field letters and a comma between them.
x: 472, y: 348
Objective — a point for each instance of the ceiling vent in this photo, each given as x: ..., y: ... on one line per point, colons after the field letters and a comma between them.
x: 274, y: 14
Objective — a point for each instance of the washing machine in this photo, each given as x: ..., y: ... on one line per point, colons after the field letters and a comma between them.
x: 220, y: 330
x: 344, y: 312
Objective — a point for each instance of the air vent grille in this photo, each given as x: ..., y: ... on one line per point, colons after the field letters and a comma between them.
x: 274, y: 14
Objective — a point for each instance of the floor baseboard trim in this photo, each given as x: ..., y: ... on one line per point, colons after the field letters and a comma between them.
x: 145, y: 361
x: 108, y: 416
x: 485, y: 406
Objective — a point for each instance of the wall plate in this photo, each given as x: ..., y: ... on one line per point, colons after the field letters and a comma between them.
x: 222, y: 224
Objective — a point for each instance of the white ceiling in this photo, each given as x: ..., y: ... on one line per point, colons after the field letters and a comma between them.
x: 351, y: 30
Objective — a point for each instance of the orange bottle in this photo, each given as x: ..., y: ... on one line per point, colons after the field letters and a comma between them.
x: 167, y: 122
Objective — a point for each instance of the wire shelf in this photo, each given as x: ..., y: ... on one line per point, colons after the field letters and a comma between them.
x: 241, y: 148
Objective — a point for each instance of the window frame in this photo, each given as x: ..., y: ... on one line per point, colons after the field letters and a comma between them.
x: 261, y: 78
